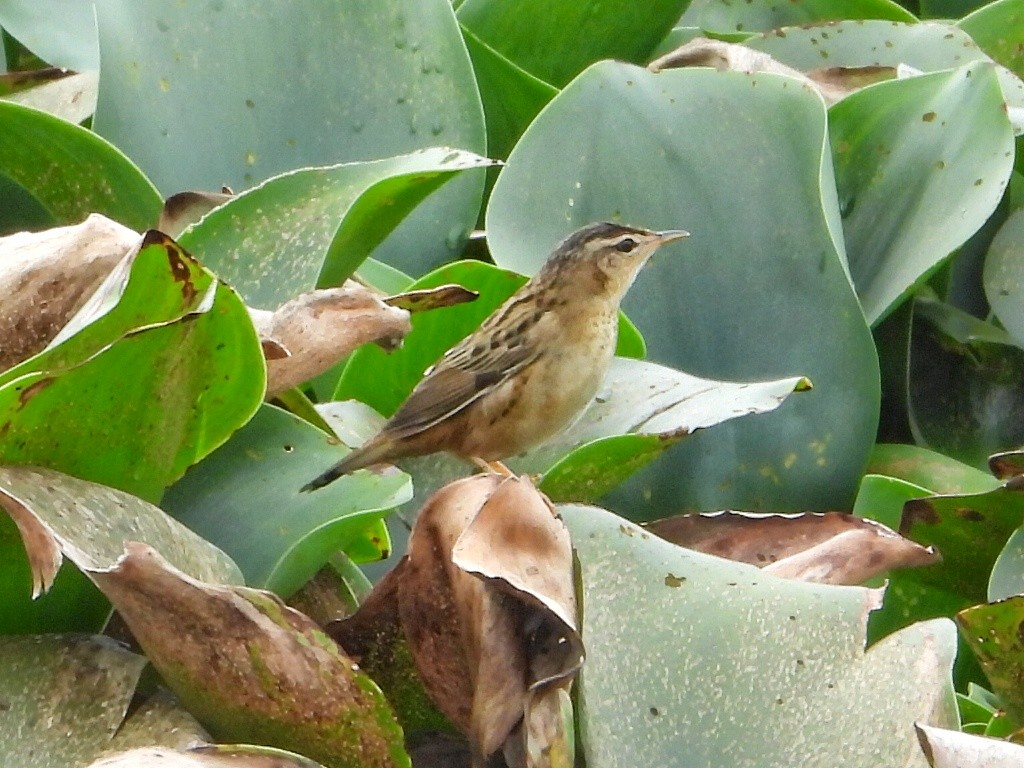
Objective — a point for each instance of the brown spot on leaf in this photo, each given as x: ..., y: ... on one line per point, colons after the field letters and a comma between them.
x: 917, y: 511
x: 32, y: 390
x: 671, y: 580
x: 928, y: 117
x: 973, y: 515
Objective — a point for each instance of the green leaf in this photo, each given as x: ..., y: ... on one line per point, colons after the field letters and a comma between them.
x: 71, y: 172
x: 993, y: 633
x: 998, y: 28
x: 690, y: 652
x: 943, y: 135
x: 1007, y: 579
x: 965, y: 384
x: 252, y: 484
x: 928, y: 469
x: 132, y: 397
x: 511, y: 96
x: 88, y: 683
x: 760, y: 15
x: 762, y: 267
x: 61, y: 32
x: 384, y: 379
x: 1004, y: 276
x: 556, y: 40
x: 338, y: 216
x: 306, y: 85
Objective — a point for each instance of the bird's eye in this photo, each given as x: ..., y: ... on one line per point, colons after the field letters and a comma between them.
x: 625, y: 245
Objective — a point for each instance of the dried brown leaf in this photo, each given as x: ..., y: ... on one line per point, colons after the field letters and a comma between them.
x: 46, y: 277
x: 833, y: 83
x: 320, y: 328
x: 827, y: 548
x: 249, y: 667
x: 186, y: 208
x: 432, y: 298
x: 1007, y: 464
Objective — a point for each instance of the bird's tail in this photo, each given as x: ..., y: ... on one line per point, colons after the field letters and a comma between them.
x: 371, y: 453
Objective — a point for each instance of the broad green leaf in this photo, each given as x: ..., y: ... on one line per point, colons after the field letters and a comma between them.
x: 928, y: 469
x: 71, y: 172
x: 306, y: 85
x: 946, y: 137
x: 641, y: 410
x: 130, y: 404
x: 763, y: 267
x: 965, y: 384
x: 690, y: 657
x: 948, y: 9
x: 511, y: 96
x: 1004, y: 276
x: 64, y: 697
x: 760, y: 15
x: 252, y: 484
x: 1007, y: 579
x: 384, y: 379
x: 998, y: 28
x: 61, y: 32
x: 993, y: 633
x: 335, y: 216
x: 556, y: 40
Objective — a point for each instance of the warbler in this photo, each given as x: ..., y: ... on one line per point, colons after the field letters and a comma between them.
x: 530, y: 368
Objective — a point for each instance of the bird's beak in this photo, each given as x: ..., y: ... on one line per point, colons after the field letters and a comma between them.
x: 671, y: 235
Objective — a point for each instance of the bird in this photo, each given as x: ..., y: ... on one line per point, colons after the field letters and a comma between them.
x: 530, y: 369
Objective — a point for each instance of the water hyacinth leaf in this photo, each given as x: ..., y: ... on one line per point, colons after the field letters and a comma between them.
x: 61, y: 516
x: 282, y: 681
x: 998, y: 28
x: 727, y: 302
x: 383, y: 380
x: 337, y: 216
x: 935, y: 471
x: 61, y: 32
x: 944, y: 133
x: 964, y: 384
x: 73, y: 408
x: 949, y: 748
x: 676, y: 610
x: 65, y: 696
x: 760, y: 15
x: 563, y: 38
x: 641, y: 410
x: 511, y: 96
x: 370, y: 80
x: 71, y: 171
x: 48, y: 276
x: 1004, y: 275
x: 992, y: 631
x: 822, y: 547
x: 253, y: 482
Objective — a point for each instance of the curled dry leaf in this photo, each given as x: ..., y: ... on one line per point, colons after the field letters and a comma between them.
x: 826, y: 548
x: 1007, y: 464
x: 432, y: 298
x: 182, y: 210
x: 833, y: 83
x: 250, y: 668
x: 317, y: 329
x: 485, y: 599
x: 46, y: 277
x: 947, y: 748
x: 213, y: 756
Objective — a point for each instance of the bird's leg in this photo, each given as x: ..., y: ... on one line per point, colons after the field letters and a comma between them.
x: 492, y: 466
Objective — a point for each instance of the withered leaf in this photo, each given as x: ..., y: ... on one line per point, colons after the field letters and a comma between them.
x: 432, y: 298
x: 250, y: 668
x: 46, y: 277
x: 1007, y: 464
x: 833, y: 83
x: 827, y: 548
x: 315, y: 330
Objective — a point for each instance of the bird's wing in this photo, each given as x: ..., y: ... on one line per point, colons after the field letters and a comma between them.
x: 460, y: 378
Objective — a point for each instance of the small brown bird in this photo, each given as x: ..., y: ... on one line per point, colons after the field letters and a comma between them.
x: 533, y: 365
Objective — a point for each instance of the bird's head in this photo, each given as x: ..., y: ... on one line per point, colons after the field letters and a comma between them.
x: 605, y: 257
